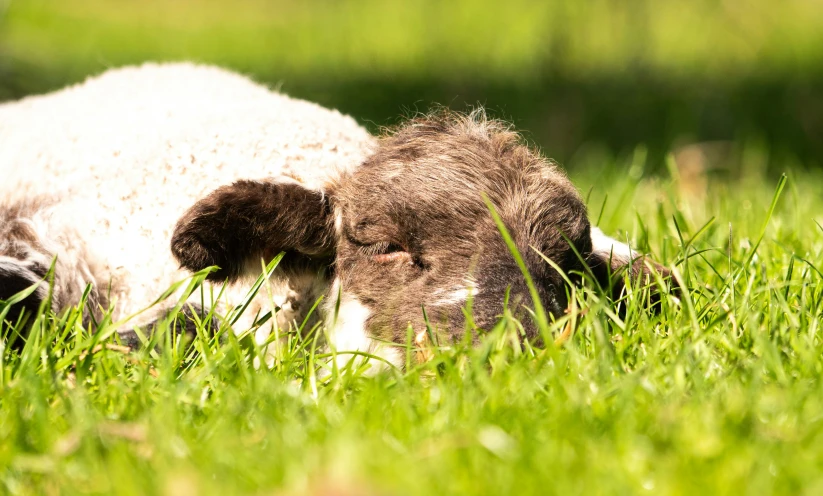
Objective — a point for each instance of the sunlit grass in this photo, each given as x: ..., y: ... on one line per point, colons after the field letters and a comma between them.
x: 466, y: 38
x: 718, y: 392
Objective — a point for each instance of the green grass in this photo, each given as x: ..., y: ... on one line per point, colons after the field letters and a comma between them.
x: 616, y: 73
x: 719, y: 393
x: 464, y: 38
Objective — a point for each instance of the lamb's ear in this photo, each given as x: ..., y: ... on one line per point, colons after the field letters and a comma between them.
x: 237, y: 225
x: 610, y: 259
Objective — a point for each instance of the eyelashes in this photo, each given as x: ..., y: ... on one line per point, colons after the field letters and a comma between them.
x: 395, y: 256
x: 386, y: 252
x: 377, y: 248
x: 382, y: 248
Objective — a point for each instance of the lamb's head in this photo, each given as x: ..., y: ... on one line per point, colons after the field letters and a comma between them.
x: 414, y: 231
x: 411, y: 229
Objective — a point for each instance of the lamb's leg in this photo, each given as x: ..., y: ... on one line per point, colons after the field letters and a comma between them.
x: 184, y: 322
x: 283, y: 304
x: 15, y: 277
x: 24, y: 262
x: 32, y: 239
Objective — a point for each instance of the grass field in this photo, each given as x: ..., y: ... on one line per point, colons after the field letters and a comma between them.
x: 719, y: 393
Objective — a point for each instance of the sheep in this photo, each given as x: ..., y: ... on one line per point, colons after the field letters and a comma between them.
x: 105, y: 174
x: 410, y: 229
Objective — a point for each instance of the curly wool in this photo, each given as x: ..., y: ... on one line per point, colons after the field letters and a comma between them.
x: 113, y: 162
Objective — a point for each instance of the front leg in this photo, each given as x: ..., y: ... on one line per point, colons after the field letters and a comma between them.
x: 15, y: 277
x: 185, y: 323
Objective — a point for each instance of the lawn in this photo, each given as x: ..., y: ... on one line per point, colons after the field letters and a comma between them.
x: 719, y: 392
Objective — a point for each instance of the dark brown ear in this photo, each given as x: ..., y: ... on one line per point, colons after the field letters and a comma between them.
x: 611, y: 259
x: 237, y: 225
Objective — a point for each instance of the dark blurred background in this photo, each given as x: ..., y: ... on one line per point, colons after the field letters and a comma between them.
x: 605, y: 75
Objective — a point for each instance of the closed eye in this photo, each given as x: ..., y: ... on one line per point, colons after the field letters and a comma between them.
x: 386, y: 253
x: 394, y: 256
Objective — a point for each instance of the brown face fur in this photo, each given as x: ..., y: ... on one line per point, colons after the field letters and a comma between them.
x: 414, y: 231
x: 409, y: 229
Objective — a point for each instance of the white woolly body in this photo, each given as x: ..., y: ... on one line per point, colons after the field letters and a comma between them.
x: 123, y: 155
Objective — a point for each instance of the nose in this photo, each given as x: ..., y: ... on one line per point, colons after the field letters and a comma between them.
x: 502, y: 278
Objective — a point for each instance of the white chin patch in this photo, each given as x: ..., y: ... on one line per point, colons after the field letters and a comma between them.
x: 456, y: 295
x: 347, y: 333
x: 604, y: 244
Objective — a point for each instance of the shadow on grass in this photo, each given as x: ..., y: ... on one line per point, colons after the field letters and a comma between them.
x: 559, y: 114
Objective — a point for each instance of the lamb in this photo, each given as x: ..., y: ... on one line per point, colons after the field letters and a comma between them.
x: 104, y: 174
x: 409, y: 230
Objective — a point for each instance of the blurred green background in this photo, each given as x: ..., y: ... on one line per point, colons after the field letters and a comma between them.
x: 575, y: 76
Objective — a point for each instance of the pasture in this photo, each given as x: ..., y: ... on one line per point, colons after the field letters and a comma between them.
x: 719, y: 392
x: 692, y: 129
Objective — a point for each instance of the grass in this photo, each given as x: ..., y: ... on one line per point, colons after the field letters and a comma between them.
x: 719, y: 393
x: 463, y: 38
x: 571, y: 73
